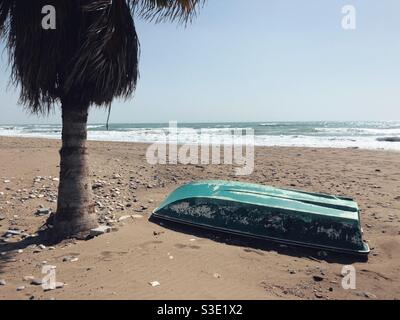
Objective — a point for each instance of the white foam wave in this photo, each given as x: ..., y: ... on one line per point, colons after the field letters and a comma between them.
x: 331, y: 137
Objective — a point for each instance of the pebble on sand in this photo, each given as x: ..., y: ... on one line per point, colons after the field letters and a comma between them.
x: 36, y: 282
x: 70, y: 259
x: 13, y: 232
x: 369, y: 295
x: 42, y: 211
x: 123, y: 218
x: 154, y: 283
x: 137, y: 216
x: 318, y: 295
x: 318, y: 278
x: 58, y: 285
x: 99, y: 231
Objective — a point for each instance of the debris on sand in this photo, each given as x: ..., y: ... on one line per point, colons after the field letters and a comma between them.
x: 70, y: 259
x: 137, y: 216
x: 99, y: 231
x: 36, y: 282
x: 57, y: 285
x: 43, y: 212
x: 154, y: 283
x: 368, y: 295
x: 123, y: 218
x: 9, y: 233
x: 317, y: 278
x: 318, y: 295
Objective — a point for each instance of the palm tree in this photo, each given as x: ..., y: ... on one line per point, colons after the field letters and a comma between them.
x: 90, y: 58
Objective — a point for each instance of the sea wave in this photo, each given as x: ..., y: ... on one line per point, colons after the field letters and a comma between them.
x: 360, y: 131
x: 333, y: 135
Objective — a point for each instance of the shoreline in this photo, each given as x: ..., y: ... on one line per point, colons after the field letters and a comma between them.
x: 120, y: 265
x: 372, y: 135
x: 199, y: 145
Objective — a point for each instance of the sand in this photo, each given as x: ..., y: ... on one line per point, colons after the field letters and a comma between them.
x: 189, y: 264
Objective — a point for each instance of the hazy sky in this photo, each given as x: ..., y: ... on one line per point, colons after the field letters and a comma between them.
x: 259, y: 60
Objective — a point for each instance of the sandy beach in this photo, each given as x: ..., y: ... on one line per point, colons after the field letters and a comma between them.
x: 189, y: 264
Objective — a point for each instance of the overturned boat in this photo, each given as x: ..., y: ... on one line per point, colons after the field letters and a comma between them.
x: 283, y: 215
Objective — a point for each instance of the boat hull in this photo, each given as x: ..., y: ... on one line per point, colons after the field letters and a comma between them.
x: 279, y: 215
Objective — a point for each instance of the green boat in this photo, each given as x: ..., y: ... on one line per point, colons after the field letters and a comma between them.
x: 282, y: 215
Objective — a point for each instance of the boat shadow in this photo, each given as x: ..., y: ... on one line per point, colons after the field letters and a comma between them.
x: 260, y: 244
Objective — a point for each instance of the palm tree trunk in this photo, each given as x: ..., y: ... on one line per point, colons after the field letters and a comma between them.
x: 75, y: 208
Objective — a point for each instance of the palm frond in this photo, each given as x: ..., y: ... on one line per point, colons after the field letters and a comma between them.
x: 90, y: 58
x: 5, y: 6
x: 167, y: 10
x: 39, y: 57
x: 106, y: 64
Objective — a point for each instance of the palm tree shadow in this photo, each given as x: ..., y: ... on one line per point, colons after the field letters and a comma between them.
x: 10, y: 250
x: 259, y: 244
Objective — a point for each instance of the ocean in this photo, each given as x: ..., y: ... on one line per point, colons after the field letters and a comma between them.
x: 363, y: 135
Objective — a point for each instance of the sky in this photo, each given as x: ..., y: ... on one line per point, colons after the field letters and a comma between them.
x: 264, y: 60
